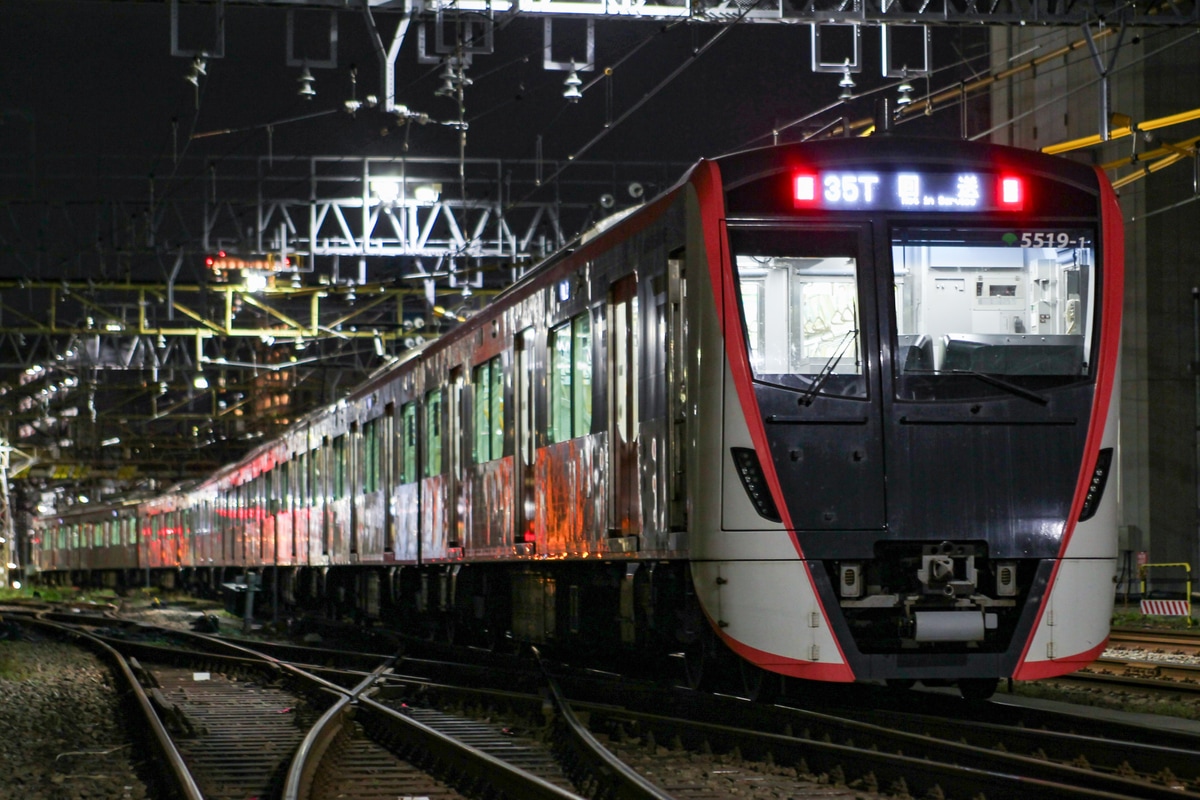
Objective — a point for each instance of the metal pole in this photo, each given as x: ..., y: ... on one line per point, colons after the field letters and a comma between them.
x: 1196, y: 422
x: 7, y: 532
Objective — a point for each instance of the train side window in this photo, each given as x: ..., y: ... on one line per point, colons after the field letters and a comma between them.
x: 339, y: 467
x: 302, y: 500
x: 408, y: 443
x: 370, y: 450
x: 433, y: 434
x: 571, y: 379
x: 488, y: 381
x: 314, y: 482
x: 523, y: 382
x: 283, y: 490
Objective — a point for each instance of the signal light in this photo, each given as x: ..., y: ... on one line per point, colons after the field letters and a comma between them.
x: 804, y: 189
x: 1012, y: 192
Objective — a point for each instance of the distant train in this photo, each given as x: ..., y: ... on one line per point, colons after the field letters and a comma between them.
x: 847, y: 407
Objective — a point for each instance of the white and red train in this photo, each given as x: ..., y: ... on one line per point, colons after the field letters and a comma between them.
x: 847, y: 407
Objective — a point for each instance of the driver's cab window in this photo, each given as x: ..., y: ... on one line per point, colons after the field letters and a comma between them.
x: 800, y: 307
x: 993, y: 302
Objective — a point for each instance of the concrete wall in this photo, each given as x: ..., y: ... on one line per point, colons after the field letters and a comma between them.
x: 1153, y: 75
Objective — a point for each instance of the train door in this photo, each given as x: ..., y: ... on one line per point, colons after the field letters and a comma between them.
x: 985, y: 321
x: 322, y: 478
x: 353, y: 479
x: 807, y: 300
x: 624, y: 507
x: 302, y: 505
x: 525, y: 439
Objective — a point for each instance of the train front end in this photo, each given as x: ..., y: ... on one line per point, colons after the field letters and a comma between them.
x: 915, y: 392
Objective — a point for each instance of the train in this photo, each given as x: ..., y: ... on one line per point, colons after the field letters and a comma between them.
x: 841, y: 410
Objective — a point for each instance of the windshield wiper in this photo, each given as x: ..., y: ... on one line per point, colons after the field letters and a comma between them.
x: 995, y: 380
x: 830, y: 365
x: 987, y: 377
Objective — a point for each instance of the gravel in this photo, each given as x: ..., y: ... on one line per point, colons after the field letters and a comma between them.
x: 61, y: 733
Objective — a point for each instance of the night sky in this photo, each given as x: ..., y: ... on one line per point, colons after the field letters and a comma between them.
x: 91, y: 79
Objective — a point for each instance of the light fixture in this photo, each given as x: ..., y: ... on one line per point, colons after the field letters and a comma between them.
x: 572, y: 82
x: 386, y: 189
x: 199, y: 381
x: 199, y: 68
x: 306, y: 81
x: 256, y: 280
x: 905, y: 89
x: 427, y: 192
x: 847, y: 83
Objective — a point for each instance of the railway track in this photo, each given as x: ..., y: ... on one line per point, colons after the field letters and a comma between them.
x: 1150, y: 660
x: 231, y: 723
x: 280, y: 721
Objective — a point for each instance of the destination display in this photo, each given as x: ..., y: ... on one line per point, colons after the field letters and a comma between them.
x: 908, y: 191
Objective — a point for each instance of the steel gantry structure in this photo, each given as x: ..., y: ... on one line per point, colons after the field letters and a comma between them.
x: 150, y: 333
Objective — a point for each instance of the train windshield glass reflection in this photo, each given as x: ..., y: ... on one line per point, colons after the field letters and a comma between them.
x: 1004, y: 302
x: 799, y: 295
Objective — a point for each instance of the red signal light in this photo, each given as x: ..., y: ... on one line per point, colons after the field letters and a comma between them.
x: 804, y: 189
x: 1012, y: 192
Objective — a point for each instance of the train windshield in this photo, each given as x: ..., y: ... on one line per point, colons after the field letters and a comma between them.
x: 799, y: 296
x: 1009, y: 305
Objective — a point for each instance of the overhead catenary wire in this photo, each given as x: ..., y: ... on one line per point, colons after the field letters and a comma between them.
x: 645, y: 98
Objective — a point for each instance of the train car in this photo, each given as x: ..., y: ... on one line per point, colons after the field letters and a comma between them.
x: 88, y: 544
x: 920, y: 347
x: 844, y: 409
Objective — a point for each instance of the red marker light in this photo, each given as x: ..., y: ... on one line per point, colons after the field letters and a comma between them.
x: 1012, y: 192
x: 804, y: 189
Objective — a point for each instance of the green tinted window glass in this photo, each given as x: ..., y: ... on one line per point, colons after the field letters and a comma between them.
x: 496, y: 414
x: 581, y: 375
x: 370, y: 449
x: 560, y: 384
x: 433, y: 433
x: 408, y: 443
x: 489, y: 411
